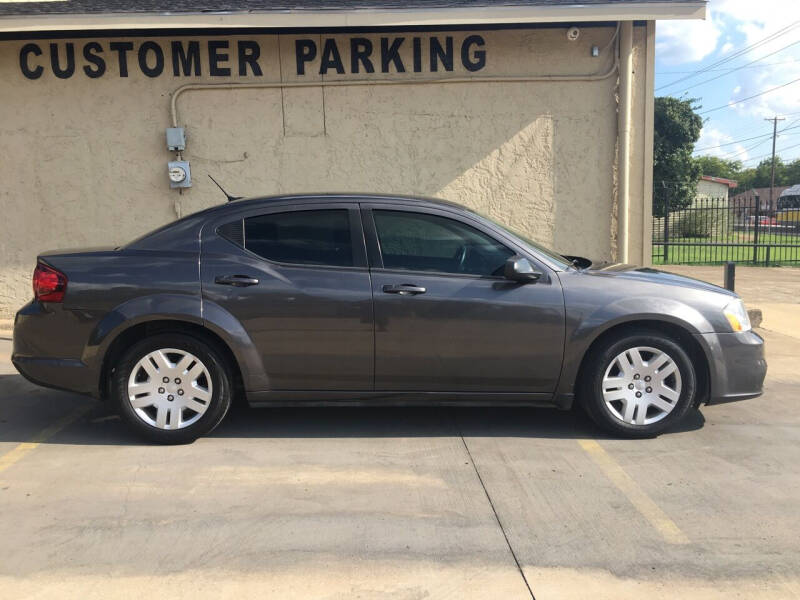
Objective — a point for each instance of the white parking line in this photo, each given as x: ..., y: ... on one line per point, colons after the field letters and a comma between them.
x: 640, y: 500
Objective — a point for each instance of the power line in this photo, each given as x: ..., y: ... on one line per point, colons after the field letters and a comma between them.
x: 731, y: 143
x: 742, y: 67
x: 763, y: 156
x: 728, y: 70
x: 746, y: 150
x: 787, y: 128
x: 748, y: 98
x: 733, y: 56
x: 729, y: 156
x: 751, y: 129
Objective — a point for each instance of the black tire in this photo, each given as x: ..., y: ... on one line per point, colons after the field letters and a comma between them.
x: 600, y: 359
x: 217, y: 368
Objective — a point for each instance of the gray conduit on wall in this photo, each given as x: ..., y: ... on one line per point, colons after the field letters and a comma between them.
x: 190, y: 87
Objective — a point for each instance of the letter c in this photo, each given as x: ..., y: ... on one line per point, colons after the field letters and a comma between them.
x: 26, y: 51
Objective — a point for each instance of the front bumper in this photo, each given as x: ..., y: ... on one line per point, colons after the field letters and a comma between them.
x: 736, y: 365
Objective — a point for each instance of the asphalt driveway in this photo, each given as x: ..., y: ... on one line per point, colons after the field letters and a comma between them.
x: 401, y: 503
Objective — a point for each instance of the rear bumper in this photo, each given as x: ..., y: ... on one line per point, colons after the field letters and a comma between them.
x: 46, y: 357
x: 736, y: 365
x: 59, y: 373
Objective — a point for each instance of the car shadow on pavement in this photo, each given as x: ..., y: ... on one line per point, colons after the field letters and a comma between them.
x: 25, y: 410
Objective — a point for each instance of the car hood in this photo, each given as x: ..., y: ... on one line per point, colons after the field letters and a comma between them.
x: 647, y: 274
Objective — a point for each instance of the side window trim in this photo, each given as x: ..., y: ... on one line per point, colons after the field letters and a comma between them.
x: 371, y: 238
x: 357, y: 242
x: 374, y: 248
x: 376, y: 259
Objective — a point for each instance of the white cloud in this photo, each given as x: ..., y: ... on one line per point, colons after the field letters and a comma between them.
x: 711, y: 137
x: 679, y: 42
x: 769, y: 14
x: 732, y: 26
x: 754, y: 25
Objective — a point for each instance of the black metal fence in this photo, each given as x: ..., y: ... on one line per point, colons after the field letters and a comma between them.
x: 716, y: 230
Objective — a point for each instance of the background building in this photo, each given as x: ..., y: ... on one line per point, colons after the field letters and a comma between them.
x: 748, y: 199
x: 714, y: 188
x: 537, y: 113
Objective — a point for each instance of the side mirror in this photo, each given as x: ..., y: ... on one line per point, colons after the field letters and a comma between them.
x: 519, y: 268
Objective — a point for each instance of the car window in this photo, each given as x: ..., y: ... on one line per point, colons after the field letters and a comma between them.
x: 424, y: 242
x: 307, y: 237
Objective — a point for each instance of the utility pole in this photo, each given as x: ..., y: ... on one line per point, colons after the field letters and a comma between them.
x: 774, y: 120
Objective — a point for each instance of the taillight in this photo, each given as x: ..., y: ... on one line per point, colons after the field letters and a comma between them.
x: 49, y: 284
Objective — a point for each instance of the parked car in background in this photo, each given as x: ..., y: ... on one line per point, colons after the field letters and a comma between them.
x: 354, y: 299
x: 763, y: 221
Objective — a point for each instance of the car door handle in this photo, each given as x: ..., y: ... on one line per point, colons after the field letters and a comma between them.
x: 404, y: 289
x: 236, y: 280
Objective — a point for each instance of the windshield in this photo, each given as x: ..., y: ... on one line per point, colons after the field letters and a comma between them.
x: 554, y: 256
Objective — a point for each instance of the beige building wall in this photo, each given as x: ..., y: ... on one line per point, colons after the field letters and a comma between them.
x: 712, y: 190
x: 84, y: 160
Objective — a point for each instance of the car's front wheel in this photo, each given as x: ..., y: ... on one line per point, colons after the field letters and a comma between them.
x: 638, y: 384
x: 172, y: 388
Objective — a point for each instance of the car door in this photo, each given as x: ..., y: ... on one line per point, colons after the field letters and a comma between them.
x: 296, y: 278
x: 445, y: 317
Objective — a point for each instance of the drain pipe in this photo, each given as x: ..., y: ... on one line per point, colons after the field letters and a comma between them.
x: 624, y: 137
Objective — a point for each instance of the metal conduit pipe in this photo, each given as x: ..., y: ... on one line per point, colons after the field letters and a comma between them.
x: 380, y: 82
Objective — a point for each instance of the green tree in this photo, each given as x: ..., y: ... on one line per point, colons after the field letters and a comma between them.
x: 763, y: 172
x: 675, y: 172
x: 746, y: 179
x: 719, y: 167
x: 791, y: 173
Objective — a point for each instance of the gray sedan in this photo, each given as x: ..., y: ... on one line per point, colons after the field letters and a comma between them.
x: 356, y: 299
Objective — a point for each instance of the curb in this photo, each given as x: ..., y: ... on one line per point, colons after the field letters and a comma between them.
x: 6, y: 328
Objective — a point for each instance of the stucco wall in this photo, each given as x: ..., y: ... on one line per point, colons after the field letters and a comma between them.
x: 84, y: 160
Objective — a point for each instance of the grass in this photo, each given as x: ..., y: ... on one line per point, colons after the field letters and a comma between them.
x: 703, y: 254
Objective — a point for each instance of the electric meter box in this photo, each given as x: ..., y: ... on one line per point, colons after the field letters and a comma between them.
x: 180, y: 176
x: 176, y: 139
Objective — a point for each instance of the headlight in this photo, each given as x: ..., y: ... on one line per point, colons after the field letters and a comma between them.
x: 737, y: 316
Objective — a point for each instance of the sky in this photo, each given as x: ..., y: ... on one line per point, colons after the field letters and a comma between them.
x: 742, y: 49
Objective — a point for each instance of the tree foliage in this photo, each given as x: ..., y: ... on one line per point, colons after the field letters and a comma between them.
x: 753, y: 177
x: 675, y: 172
x: 719, y: 167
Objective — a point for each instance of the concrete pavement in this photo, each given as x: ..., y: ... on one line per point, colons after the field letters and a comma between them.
x: 401, y: 503
x: 772, y: 291
x: 756, y: 285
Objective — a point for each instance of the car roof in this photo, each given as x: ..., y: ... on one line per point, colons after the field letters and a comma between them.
x: 196, y: 219
x: 336, y: 197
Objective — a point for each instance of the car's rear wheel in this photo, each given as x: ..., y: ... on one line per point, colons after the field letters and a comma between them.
x: 638, y: 384
x: 172, y: 388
